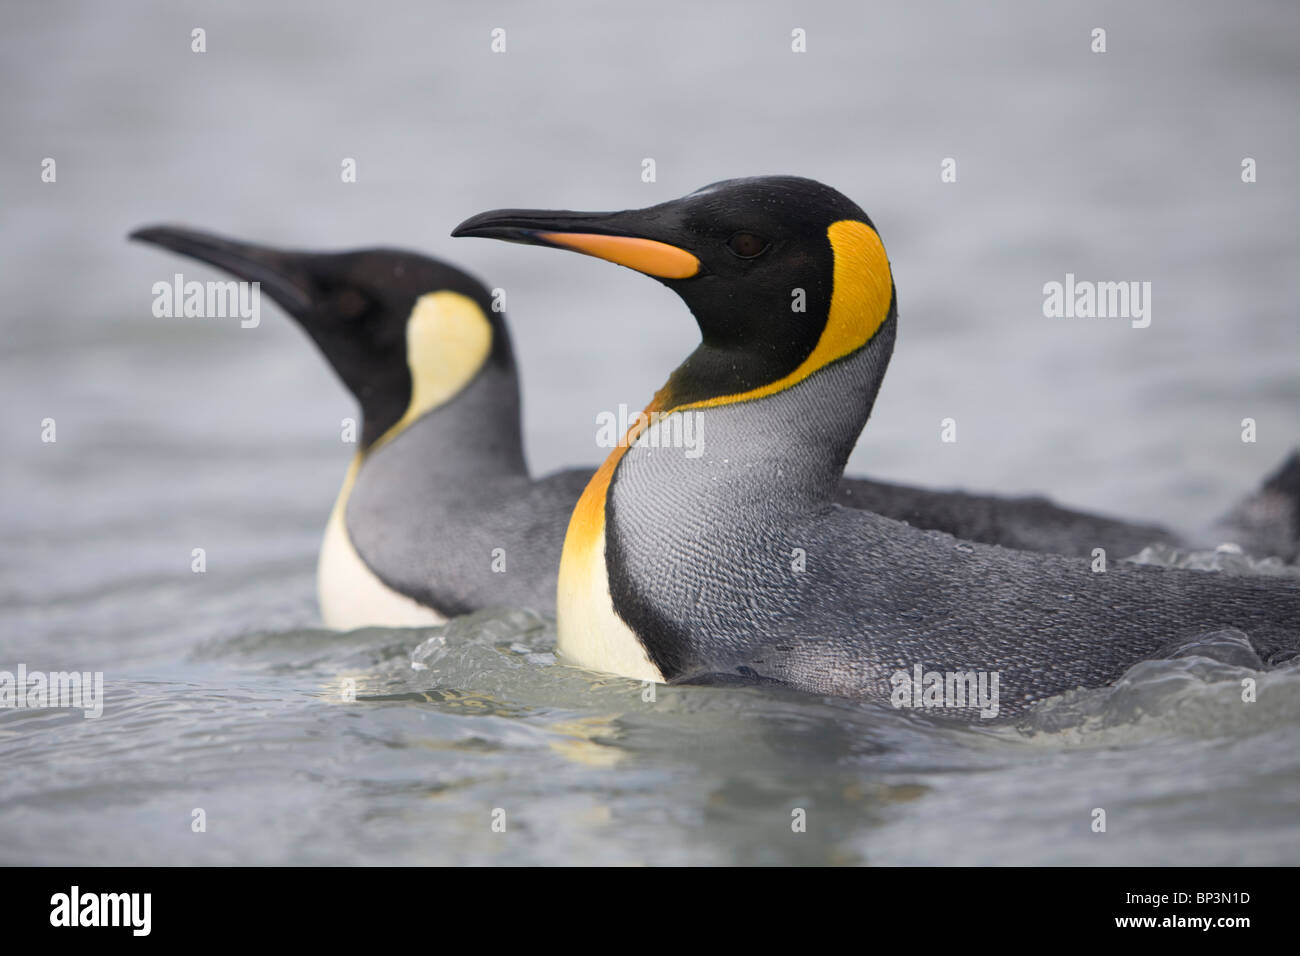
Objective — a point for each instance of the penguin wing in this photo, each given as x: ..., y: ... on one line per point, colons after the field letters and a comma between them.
x: 876, y: 597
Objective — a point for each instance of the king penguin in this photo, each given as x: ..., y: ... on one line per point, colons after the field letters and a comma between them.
x: 685, y: 569
x: 437, y: 514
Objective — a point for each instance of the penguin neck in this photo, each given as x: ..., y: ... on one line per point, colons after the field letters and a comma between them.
x: 795, y: 440
x: 464, y: 388
x: 756, y: 460
x: 475, y: 432
x: 435, y: 458
x: 715, y: 371
x: 461, y: 423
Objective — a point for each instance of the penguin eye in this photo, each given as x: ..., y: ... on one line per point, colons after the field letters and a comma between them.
x: 747, y: 245
x: 351, y: 303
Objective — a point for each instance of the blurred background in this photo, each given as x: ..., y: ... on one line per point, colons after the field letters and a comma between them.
x: 1115, y: 166
x: 176, y: 433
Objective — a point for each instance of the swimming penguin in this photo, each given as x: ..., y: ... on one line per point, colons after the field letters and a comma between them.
x: 437, y: 515
x: 738, y: 565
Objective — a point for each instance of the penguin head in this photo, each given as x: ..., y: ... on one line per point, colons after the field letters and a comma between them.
x: 402, y: 331
x: 782, y: 274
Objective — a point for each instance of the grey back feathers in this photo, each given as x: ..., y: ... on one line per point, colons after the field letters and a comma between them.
x: 1027, y: 523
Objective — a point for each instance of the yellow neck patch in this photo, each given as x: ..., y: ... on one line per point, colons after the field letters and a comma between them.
x: 861, y: 290
x: 448, y: 339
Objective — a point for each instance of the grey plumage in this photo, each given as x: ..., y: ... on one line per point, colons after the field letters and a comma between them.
x: 1027, y: 523
x: 431, y: 507
x: 701, y: 563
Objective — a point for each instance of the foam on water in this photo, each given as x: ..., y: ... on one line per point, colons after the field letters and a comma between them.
x: 1226, y: 558
x: 1214, y: 686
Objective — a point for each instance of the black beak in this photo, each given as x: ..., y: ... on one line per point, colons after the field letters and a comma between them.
x: 283, y: 275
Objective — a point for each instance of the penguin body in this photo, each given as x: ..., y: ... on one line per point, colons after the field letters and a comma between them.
x: 437, y: 514
x: 874, y: 597
x: 348, y: 591
x: 738, y: 564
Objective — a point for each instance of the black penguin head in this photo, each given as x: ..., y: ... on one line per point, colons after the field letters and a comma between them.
x: 770, y: 267
x: 356, y: 306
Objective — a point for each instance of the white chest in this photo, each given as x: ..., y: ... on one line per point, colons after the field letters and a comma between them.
x: 350, y: 594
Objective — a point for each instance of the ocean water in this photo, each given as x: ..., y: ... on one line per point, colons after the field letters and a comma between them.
x: 300, y: 745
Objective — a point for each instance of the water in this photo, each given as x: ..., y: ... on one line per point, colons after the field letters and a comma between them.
x: 257, y: 731
x: 223, y: 694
